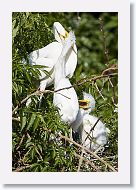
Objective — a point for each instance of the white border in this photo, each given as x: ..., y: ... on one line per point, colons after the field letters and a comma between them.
x: 9, y: 177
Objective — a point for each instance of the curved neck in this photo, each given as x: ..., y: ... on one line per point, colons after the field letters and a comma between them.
x: 59, y: 69
x: 60, y: 65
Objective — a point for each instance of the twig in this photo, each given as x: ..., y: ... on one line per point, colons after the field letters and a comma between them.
x: 36, y: 93
x: 88, y: 162
x: 24, y: 100
x: 63, y: 95
x: 110, y: 70
x: 87, y: 150
x: 104, y: 42
x: 16, y: 119
x: 22, y: 168
x: 80, y: 160
x: 79, y: 83
x: 20, y: 142
x: 88, y: 134
x: 86, y: 80
x: 99, y: 92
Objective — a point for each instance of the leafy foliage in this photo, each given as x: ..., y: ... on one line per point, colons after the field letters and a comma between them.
x: 37, y: 144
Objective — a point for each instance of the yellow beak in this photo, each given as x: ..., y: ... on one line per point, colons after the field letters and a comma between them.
x: 84, y: 103
x: 64, y: 37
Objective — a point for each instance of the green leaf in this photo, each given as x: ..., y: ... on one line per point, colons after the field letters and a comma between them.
x: 28, y: 77
x: 36, y: 123
x: 29, y: 144
x: 40, y: 147
x: 31, y: 121
x: 33, y: 153
x: 14, y: 32
x: 39, y: 66
x: 23, y: 122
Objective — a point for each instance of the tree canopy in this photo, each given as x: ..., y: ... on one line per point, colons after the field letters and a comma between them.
x: 40, y: 139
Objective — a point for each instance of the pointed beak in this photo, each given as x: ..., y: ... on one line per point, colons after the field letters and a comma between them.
x: 65, y: 36
x: 84, y: 104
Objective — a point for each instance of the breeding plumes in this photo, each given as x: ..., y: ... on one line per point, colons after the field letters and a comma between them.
x: 49, y: 55
x: 66, y: 99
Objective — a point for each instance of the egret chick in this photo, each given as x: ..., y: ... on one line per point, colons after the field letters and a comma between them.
x: 92, y: 132
x: 86, y: 106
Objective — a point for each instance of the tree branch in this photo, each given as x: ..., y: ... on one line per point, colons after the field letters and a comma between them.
x: 92, y: 153
x: 19, y: 169
x: 88, y: 162
x: 79, y: 83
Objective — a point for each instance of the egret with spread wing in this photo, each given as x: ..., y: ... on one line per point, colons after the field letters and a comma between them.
x: 49, y: 55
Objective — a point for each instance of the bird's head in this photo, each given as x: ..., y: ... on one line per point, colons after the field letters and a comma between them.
x: 88, y: 103
x: 59, y: 32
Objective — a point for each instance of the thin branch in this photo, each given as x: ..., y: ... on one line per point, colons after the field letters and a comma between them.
x: 88, y: 162
x: 80, y: 160
x: 23, y: 101
x: 19, y: 169
x: 88, y: 134
x: 99, y: 92
x: 20, y: 142
x: 86, y: 80
x: 87, y: 150
x: 106, y: 53
x: 110, y: 70
x: 16, y: 119
x: 79, y: 83
x: 36, y: 93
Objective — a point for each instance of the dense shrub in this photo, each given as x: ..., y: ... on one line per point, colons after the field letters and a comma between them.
x: 37, y: 141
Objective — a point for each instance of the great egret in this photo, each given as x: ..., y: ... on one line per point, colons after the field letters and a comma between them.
x: 49, y: 55
x: 65, y: 100
x: 92, y: 132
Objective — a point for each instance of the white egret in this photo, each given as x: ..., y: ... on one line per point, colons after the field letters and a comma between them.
x: 49, y: 55
x: 92, y: 132
x: 65, y: 100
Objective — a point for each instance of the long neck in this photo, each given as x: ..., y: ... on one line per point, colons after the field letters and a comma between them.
x: 60, y: 65
x: 60, y: 69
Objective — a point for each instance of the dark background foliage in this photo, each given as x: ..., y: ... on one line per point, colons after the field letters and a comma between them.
x: 37, y: 145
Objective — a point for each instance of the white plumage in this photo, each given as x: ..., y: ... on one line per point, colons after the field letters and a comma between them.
x: 65, y: 100
x: 92, y: 132
x: 49, y: 55
x: 93, y: 137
